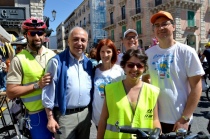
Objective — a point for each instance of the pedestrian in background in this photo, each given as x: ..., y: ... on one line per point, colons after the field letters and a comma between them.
x: 92, y: 56
x: 130, y: 41
x: 131, y: 102
x: 105, y: 73
x: 176, y: 69
x: 3, y: 74
x: 67, y: 97
x: 25, y: 78
x: 19, y: 44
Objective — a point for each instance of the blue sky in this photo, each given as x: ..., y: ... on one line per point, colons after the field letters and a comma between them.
x: 63, y: 9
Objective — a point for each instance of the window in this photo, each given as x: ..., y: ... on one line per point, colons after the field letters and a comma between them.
x: 158, y: 2
x: 111, y: 18
x: 123, y: 30
x: 80, y: 23
x: 138, y: 6
x: 138, y: 27
x: 112, y: 35
x: 123, y: 12
x: 84, y: 21
x: 191, y: 18
x: 111, y: 2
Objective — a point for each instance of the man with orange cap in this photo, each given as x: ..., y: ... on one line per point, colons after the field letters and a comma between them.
x: 172, y: 69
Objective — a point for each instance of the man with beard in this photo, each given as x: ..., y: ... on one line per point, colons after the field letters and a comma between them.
x: 26, y: 77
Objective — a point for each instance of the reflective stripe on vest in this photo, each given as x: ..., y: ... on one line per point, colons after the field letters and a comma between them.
x: 31, y: 99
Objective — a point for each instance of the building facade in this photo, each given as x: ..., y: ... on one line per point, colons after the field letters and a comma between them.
x: 60, y: 34
x: 14, y: 12
x: 191, y: 19
x: 90, y: 15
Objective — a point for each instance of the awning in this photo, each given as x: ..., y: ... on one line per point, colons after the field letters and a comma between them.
x: 4, y: 35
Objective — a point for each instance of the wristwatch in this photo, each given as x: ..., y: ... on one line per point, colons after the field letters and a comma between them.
x: 36, y: 85
x: 186, y: 118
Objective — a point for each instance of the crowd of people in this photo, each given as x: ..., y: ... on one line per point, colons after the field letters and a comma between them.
x: 158, y: 88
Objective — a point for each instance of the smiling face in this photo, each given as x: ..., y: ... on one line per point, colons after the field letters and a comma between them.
x: 78, y: 42
x: 163, y: 28
x: 106, y: 54
x: 130, y: 41
x: 134, y: 68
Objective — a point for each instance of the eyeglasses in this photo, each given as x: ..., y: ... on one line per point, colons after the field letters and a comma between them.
x: 162, y: 25
x: 131, y: 65
x: 130, y: 37
x: 33, y: 33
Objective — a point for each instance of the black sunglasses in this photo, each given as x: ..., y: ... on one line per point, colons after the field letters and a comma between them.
x: 131, y: 65
x: 33, y: 33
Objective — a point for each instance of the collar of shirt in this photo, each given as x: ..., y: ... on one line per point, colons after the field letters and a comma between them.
x: 72, y: 58
x: 34, y: 53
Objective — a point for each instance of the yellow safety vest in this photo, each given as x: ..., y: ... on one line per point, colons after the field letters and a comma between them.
x: 32, y: 72
x: 120, y: 110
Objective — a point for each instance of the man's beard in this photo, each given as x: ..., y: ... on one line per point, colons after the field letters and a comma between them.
x: 36, y: 46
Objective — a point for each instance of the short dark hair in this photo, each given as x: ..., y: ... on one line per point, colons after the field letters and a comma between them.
x: 136, y: 53
x: 109, y: 44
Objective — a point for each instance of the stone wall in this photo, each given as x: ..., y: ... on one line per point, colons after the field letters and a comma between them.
x: 36, y: 8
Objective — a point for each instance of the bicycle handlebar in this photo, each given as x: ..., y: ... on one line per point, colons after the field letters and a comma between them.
x: 155, y: 133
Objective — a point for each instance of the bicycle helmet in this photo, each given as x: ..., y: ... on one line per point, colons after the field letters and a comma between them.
x: 33, y: 23
x: 208, y: 44
x: 20, y: 40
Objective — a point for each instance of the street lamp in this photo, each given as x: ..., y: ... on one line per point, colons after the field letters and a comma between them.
x: 47, y: 19
x: 53, y: 15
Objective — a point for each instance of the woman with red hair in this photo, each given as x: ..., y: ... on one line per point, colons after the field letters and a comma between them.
x: 105, y: 73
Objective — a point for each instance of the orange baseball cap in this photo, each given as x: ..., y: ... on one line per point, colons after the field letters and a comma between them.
x: 160, y: 14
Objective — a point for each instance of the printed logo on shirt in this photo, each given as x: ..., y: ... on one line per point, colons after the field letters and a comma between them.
x: 162, y: 64
x: 149, y: 114
x: 100, y: 83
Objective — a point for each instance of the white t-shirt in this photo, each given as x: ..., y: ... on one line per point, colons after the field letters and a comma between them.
x: 169, y: 70
x: 102, y: 78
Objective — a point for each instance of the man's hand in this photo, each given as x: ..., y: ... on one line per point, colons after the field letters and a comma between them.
x: 45, y: 80
x: 52, y: 125
x: 181, y: 123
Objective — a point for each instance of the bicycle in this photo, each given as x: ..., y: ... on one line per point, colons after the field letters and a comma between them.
x: 155, y: 133
x: 19, y: 127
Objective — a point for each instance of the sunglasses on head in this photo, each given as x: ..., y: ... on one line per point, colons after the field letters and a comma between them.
x: 131, y: 65
x: 33, y: 33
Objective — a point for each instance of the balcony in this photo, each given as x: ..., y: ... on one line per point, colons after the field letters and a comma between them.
x: 191, y: 26
x: 83, y: 10
x: 88, y: 6
x: 88, y: 22
x: 110, y: 25
x: 136, y: 14
x: 83, y: 25
x: 122, y: 2
x: 168, y: 4
x: 122, y: 20
x: 110, y: 7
